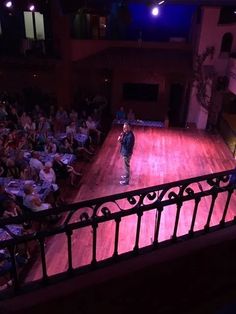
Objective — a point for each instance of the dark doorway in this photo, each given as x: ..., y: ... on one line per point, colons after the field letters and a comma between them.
x: 176, y: 106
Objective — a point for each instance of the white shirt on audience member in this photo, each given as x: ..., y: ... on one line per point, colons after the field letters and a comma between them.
x: 36, y: 164
x: 49, y: 177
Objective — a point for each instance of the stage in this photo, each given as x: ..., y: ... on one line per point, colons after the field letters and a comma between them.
x: 160, y: 156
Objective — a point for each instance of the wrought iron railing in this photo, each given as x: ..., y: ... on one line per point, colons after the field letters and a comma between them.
x: 186, y: 199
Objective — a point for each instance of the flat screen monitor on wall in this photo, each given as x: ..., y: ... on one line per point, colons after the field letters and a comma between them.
x: 140, y: 91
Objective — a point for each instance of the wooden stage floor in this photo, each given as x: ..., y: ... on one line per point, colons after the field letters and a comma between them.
x: 160, y: 156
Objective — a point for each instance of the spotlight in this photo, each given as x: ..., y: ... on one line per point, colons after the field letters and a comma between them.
x: 161, y: 2
x: 31, y: 7
x: 155, y: 11
x: 8, y: 4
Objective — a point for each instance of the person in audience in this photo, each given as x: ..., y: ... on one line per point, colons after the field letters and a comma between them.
x: 21, y: 161
x: 25, y: 120
x: 71, y: 129
x: 10, y: 209
x: 83, y: 129
x: 83, y: 116
x: 66, y: 147
x: 47, y: 174
x: 44, y: 127
x: 120, y: 114
x: 130, y: 115
x: 30, y: 126
x: 12, y: 169
x: 28, y: 173
x: 37, y: 112
x: 23, y: 144
x: 73, y: 116
x: 35, y: 163
x: 32, y: 201
x: 63, y: 171
x: 93, y: 131
x: 96, y: 115
x: 4, y: 195
x: 50, y: 147
x: 61, y: 120
x: 79, y: 151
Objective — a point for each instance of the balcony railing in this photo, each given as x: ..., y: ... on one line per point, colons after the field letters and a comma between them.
x: 189, y: 194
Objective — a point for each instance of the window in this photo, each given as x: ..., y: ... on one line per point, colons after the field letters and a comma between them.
x: 140, y: 92
x: 34, y: 25
x: 226, y: 42
x: 227, y: 15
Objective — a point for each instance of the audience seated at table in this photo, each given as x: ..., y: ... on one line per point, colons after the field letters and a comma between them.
x: 32, y: 200
x: 35, y: 162
x: 71, y: 129
x: 26, y: 122
x: 66, y: 146
x: 10, y: 208
x: 47, y: 174
x: 70, y: 146
x: 63, y: 171
x: 27, y: 129
x: 28, y: 173
x: 83, y: 129
x: 50, y: 147
x: 94, y: 132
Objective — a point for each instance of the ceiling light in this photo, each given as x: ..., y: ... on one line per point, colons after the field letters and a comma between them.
x: 31, y: 7
x: 8, y: 4
x: 155, y: 11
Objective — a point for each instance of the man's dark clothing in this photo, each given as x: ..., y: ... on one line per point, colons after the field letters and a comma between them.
x: 126, y: 150
x: 127, y: 144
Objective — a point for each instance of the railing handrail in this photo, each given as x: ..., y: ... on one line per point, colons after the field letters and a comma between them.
x: 104, y: 199
x: 92, y: 213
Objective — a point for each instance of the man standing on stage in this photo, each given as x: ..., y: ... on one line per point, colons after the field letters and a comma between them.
x: 126, y: 140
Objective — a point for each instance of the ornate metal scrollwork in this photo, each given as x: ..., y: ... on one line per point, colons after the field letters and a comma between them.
x: 152, y: 196
x: 189, y: 191
x: 84, y: 217
x: 106, y: 212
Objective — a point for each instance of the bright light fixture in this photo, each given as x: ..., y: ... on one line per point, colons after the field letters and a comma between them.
x: 31, y: 7
x: 8, y: 4
x: 155, y: 11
